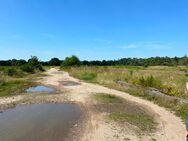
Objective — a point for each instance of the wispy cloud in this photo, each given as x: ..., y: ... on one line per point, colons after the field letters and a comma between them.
x: 102, y: 40
x: 147, y: 45
x: 48, y: 35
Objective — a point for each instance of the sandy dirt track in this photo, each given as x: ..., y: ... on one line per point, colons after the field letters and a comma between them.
x: 170, y: 127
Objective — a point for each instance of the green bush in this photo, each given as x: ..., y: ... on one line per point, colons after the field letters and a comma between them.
x: 88, y: 76
x: 11, y: 71
x: 33, y: 61
x: 54, y: 62
x: 40, y: 68
x: 147, y: 82
x: 2, y: 82
x: 71, y: 61
x: 27, y: 68
x: 170, y: 89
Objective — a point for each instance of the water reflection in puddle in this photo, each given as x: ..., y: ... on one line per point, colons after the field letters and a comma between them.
x: 40, y: 88
x: 38, y: 122
x: 69, y: 83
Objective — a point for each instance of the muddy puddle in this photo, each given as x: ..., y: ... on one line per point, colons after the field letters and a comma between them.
x: 69, y: 83
x: 40, y: 89
x: 39, y: 122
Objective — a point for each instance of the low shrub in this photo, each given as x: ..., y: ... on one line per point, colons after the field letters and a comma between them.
x: 40, y: 68
x: 88, y: 76
x: 27, y: 68
x: 10, y: 71
x: 170, y: 89
x: 2, y: 82
x: 147, y: 82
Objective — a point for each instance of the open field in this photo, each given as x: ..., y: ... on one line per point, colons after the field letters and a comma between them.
x: 108, y: 114
x: 13, y: 80
x: 168, y: 80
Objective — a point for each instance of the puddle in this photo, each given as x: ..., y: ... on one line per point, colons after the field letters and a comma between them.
x: 69, y: 83
x: 38, y: 122
x: 40, y: 89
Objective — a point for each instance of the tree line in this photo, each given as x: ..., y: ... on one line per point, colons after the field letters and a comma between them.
x: 75, y: 61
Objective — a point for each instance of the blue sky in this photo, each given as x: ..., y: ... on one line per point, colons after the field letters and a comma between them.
x: 93, y: 29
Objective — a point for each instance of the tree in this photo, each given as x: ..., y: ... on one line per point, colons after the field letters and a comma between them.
x: 54, y: 62
x: 71, y: 61
x: 184, y: 60
x: 33, y: 61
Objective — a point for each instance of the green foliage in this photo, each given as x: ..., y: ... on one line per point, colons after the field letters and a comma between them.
x: 12, y: 87
x: 15, y: 62
x: 40, y: 68
x: 169, y: 80
x: 106, y: 98
x: 88, y: 76
x: 33, y: 61
x: 2, y: 83
x: 181, y: 110
x: 11, y: 71
x: 71, y: 61
x: 145, y: 62
x: 152, y: 61
x: 170, y: 89
x: 32, y: 65
x: 54, y: 62
x: 27, y: 68
x: 148, y: 81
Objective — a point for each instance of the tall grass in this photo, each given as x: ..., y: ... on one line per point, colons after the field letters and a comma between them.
x: 169, y: 80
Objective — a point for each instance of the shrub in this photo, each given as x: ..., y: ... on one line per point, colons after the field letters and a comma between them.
x: 28, y: 68
x: 54, y: 62
x: 40, y: 68
x: 71, y: 61
x: 170, y: 89
x: 88, y: 76
x: 11, y: 71
x: 147, y: 82
x: 33, y: 61
x: 2, y: 82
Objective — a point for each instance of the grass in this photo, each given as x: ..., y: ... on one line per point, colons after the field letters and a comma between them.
x: 14, y: 81
x: 106, y: 98
x: 87, y: 76
x: 169, y: 80
x: 144, y: 122
x: 180, y: 110
x: 122, y: 111
x: 14, y: 87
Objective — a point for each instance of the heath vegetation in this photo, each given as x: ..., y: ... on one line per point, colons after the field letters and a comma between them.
x: 14, y: 79
x: 168, y: 80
